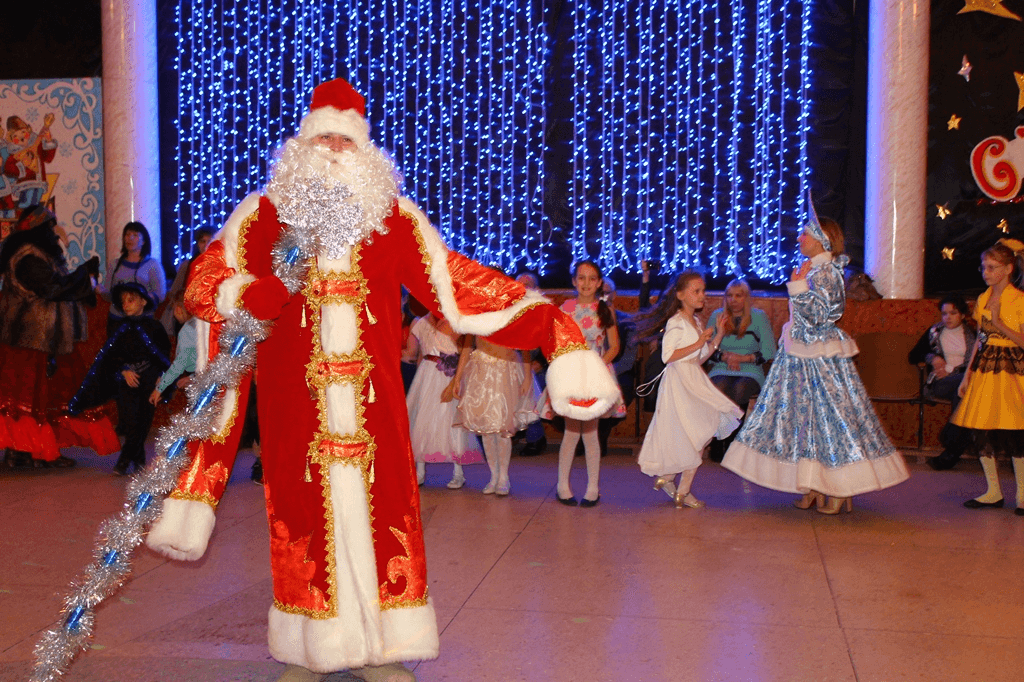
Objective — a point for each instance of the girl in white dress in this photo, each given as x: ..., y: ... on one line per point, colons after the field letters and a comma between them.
x: 432, y: 402
x: 690, y: 409
x: 496, y: 399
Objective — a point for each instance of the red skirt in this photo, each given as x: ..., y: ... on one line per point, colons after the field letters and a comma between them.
x: 33, y: 407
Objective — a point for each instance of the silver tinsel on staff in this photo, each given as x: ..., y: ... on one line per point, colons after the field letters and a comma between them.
x: 121, y: 534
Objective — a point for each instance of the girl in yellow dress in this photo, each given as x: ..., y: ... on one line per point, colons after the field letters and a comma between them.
x: 993, y: 387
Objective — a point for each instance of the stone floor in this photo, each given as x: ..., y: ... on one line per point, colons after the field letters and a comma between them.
x: 911, y: 586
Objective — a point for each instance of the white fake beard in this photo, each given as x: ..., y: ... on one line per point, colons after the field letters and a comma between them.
x: 342, y: 197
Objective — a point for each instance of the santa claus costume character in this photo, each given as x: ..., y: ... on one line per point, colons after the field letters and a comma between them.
x: 42, y: 321
x: 347, y: 555
x: 432, y: 403
x: 813, y: 430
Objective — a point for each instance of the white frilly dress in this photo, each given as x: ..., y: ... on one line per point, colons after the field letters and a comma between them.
x: 434, y: 435
x: 690, y: 409
x: 492, y: 401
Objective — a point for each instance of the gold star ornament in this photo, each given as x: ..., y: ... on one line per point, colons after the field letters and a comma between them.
x: 1004, y: 226
x: 1020, y: 88
x: 965, y: 69
x: 994, y: 7
x: 943, y: 211
x: 953, y: 123
x: 947, y: 253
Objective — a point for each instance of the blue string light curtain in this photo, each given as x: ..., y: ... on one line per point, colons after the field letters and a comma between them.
x: 688, y: 130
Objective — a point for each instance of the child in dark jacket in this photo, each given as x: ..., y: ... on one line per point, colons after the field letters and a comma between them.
x: 127, y: 369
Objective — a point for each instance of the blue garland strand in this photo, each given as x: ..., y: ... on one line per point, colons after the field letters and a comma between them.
x: 121, y: 534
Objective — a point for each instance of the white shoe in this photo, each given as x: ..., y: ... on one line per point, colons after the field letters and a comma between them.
x: 457, y: 482
x: 503, y: 489
x: 490, y: 488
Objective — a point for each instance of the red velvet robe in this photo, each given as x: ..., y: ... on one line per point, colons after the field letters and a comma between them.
x: 346, y: 539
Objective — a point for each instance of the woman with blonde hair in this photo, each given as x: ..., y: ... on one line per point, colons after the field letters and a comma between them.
x: 813, y: 430
x: 738, y: 365
x: 993, y: 387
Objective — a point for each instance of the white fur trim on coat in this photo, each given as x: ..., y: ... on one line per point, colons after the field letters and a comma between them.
x: 362, y: 634
x: 229, y: 291
x: 228, y: 234
x: 481, y: 324
x: 581, y: 374
x: 330, y: 120
x: 183, y: 529
x: 843, y: 347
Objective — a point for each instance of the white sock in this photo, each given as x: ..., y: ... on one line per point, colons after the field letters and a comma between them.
x: 592, y: 452
x: 994, y: 492
x: 1018, y: 473
x: 566, y: 451
x: 492, y: 448
x: 504, y: 458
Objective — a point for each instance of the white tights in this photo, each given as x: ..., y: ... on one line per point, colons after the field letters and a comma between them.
x: 498, y: 451
x: 574, y: 430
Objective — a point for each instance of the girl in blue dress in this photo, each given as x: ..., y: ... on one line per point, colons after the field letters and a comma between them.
x: 813, y: 430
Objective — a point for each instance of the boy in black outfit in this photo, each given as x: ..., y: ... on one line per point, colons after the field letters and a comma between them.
x: 127, y: 368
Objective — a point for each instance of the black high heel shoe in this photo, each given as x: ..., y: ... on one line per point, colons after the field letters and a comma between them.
x: 977, y: 504
x: 567, y: 501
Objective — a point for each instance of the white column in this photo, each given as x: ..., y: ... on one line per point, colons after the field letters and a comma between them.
x: 897, y: 142
x: 131, y: 148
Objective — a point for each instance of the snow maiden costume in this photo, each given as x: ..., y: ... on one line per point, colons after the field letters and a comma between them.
x: 347, y: 554
x: 813, y: 427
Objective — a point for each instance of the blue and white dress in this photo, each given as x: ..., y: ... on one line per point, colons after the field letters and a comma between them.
x: 813, y: 427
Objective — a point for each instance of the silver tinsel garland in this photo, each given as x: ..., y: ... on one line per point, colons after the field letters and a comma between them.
x: 121, y: 534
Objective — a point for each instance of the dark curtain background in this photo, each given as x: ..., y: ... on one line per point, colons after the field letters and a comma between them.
x: 987, y: 106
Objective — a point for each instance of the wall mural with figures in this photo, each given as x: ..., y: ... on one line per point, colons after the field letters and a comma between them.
x: 976, y: 137
x: 51, y: 153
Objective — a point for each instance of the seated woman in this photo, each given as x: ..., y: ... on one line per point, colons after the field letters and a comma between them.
x: 945, y: 348
x: 738, y: 365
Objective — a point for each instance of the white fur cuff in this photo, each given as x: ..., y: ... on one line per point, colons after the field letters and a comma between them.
x: 798, y: 286
x: 183, y: 530
x: 229, y: 291
x: 580, y: 375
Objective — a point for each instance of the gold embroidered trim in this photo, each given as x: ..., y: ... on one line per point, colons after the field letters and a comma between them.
x: 567, y: 349
x: 333, y: 288
x: 206, y: 498
x: 221, y: 436
x: 241, y: 290
x: 243, y: 228
x: 525, y: 310
x: 405, y: 603
x: 308, y: 613
x: 424, y: 254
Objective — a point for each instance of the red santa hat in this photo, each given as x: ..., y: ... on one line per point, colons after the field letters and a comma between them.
x: 336, y: 108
